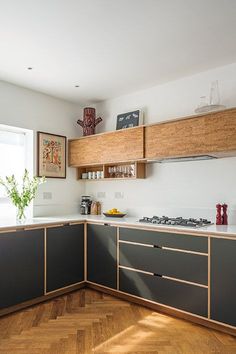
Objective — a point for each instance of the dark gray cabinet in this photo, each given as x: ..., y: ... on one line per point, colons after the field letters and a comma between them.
x: 21, y: 266
x: 165, y: 239
x: 223, y: 280
x: 102, y: 255
x: 165, y: 256
x: 180, y: 265
x: 182, y: 296
x: 65, y: 256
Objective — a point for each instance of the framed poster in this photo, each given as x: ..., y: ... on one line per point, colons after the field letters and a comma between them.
x: 129, y: 119
x: 51, y: 155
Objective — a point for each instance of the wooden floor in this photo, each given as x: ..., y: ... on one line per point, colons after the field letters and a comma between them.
x: 87, y: 321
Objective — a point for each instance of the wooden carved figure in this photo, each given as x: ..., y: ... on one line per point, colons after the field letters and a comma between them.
x: 89, y: 121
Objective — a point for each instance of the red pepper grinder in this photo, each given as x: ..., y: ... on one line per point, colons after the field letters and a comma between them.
x: 218, y: 214
x: 224, y: 216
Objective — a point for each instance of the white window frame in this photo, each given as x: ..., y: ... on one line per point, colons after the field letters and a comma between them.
x: 29, y: 153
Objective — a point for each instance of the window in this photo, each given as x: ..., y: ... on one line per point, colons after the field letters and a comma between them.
x: 16, y: 154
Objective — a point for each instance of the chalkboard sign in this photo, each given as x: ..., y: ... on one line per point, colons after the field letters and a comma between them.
x: 129, y: 120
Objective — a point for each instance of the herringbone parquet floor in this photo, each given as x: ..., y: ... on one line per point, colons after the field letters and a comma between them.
x: 88, y: 321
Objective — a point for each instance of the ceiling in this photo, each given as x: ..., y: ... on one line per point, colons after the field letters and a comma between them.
x: 111, y: 47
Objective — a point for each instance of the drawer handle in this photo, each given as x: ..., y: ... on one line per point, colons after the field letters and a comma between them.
x: 157, y: 275
x: 156, y: 246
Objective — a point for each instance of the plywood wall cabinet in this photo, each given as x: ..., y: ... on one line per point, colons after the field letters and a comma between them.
x: 121, y: 145
x: 211, y: 134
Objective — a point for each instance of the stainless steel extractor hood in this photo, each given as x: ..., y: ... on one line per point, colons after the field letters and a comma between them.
x: 184, y: 159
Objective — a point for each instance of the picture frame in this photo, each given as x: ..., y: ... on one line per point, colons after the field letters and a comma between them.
x: 51, y: 155
x: 129, y: 119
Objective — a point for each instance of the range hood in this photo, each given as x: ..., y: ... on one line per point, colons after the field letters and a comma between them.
x: 184, y: 159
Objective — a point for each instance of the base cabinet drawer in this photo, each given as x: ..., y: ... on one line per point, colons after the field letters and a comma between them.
x: 165, y: 239
x: 223, y: 280
x: 180, y: 265
x: 182, y: 296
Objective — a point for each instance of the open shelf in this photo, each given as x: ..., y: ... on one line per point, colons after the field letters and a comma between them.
x: 112, y: 171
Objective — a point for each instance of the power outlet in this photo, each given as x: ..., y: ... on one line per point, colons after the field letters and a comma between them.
x: 47, y: 195
x: 101, y: 195
x: 119, y: 195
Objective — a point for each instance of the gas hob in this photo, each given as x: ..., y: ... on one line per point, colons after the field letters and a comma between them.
x: 179, y: 221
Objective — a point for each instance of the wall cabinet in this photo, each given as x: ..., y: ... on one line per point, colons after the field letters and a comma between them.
x: 212, y: 134
x: 102, y: 255
x: 118, y: 146
x: 21, y: 266
x: 223, y: 276
x: 65, y: 256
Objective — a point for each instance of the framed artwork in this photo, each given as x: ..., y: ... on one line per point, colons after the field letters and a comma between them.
x: 129, y: 119
x: 51, y: 155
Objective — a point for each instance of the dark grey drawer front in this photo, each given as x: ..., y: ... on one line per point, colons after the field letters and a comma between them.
x: 174, y: 264
x: 223, y: 281
x: 182, y: 296
x: 185, y: 242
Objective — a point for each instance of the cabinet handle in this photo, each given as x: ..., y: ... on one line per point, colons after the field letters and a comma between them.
x: 157, y: 275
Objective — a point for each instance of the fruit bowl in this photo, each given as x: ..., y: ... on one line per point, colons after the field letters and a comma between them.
x: 114, y: 213
x: 118, y: 215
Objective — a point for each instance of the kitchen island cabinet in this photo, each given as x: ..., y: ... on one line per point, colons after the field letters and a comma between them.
x: 223, y: 280
x: 21, y: 266
x: 102, y: 255
x: 64, y: 256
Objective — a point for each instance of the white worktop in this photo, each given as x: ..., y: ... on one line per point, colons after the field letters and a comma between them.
x: 214, y: 230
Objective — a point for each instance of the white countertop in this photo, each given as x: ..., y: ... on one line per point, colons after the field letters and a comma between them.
x: 214, y: 230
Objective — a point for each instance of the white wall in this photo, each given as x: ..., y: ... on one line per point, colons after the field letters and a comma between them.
x: 178, y: 189
x: 32, y: 110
